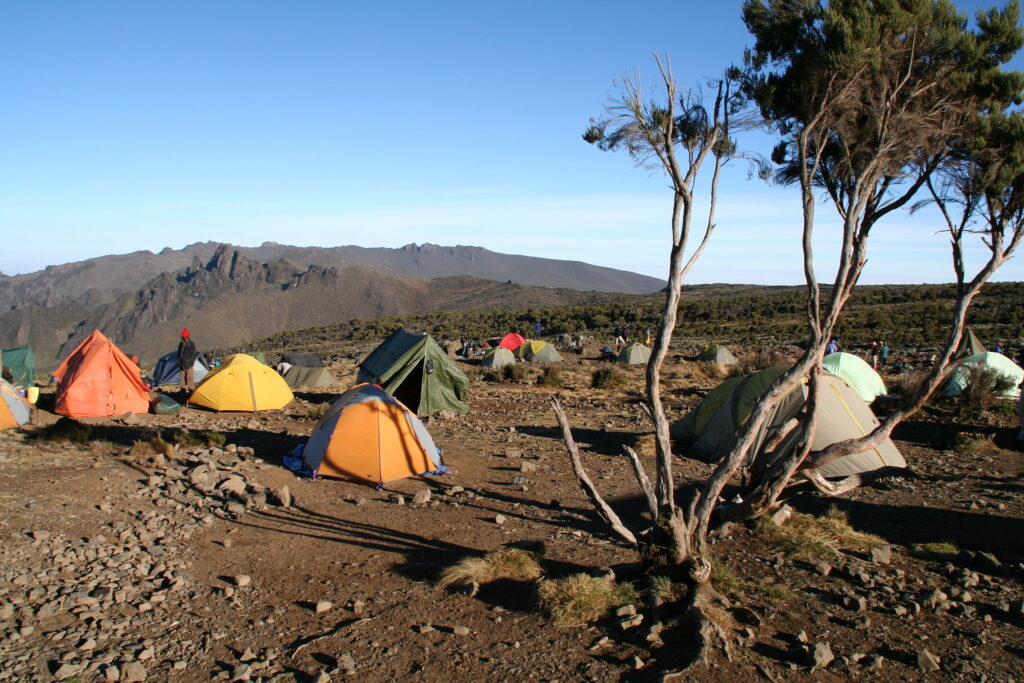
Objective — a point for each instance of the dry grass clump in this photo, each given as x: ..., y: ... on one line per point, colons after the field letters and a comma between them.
x: 937, y: 549
x: 806, y: 537
x: 162, y: 447
x: 516, y: 373
x: 581, y: 598
x: 760, y: 359
x: 514, y: 564
x: 646, y: 446
x: 551, y: 377
x: 979, y: 444
x: 611, y: 377
x: 67, y: 430
x: 984, y: 386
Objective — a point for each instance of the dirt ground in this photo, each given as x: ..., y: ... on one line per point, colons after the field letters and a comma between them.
x: 113, y: 568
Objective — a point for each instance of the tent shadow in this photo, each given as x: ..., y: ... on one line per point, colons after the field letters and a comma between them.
x: 594, y: 440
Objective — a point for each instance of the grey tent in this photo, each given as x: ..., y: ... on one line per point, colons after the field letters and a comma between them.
x: 415, y: 370
x: 634, y: 354
x: 309, y: 377
x: 842, y: 414
x: 717, y: 353
x: 970, y: 345
x: 167, y: 371
x: 498, y: 357
x: 22, y: 364
x: 538, y: 352
x: 305, y: 360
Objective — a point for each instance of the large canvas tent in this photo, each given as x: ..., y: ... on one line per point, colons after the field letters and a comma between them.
x: 98, y: 380
x: 242, y: 383
x: 14, y: 409
x: 309, y: 377
x: 857, y: 373
x: 634, y: 354
x: 415, y: 370
x: 22, y: 364
x: 498, y: 357
x: 370, y: 436
x: 167, y: 371
x: 538, y: 352
x: 512, y: 341
x: 996, y: 362
x: 717, y: 353
x: 842, y: 414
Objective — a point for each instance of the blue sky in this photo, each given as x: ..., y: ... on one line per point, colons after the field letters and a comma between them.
x: 141, y: 125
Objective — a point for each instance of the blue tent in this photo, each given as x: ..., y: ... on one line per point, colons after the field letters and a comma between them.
x: 167, y: 372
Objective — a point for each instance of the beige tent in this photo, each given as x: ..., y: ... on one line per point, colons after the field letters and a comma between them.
x: 634, y: 354
x: 842, y: 414
x: 312, y: 378
x: 498, y: 357
x: 717, y: 353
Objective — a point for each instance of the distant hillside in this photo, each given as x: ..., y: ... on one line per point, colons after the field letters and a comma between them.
x: 102, y: 280
x: 232, y: 298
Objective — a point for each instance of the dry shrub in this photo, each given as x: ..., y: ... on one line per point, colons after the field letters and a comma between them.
x: 516, y: 373
x: 67, y: 430
x: 581, y: 598
x: 141, y: 449
x: 984, y: 386
x: 514, y: 564
x: 316, y: 412
x: 551, y: 377
x: 806, y: 537
x: 715, y: 370
x: 978, y: 444
x: 611, y: 377
x: 160, y: 446
x: 760, y: 359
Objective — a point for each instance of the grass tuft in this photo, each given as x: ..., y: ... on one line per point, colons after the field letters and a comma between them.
x: 611, y: 377
x: 938, y: 549
x: 809, y: 538
x: 515, y: 564
x: 516, y: 373
x: 316, y: 412
x: 551, y: 377
x: 581, y: 598
x: 67, y: 430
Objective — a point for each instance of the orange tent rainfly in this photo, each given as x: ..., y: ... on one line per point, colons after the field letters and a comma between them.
x: 368, y: 435
x: 98, y: 380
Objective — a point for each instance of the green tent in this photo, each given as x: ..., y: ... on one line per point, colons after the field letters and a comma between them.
x: 415, y: 370
x: 712, y: 428
x: 857, y: 373
x: 990, y: 359
x: 634, y: 354
x: 22, y: 364
x: 970, y: 345
x: 309, y: 377
x: 258, y: 355
x: 538, y: 352
x: 717, y: 353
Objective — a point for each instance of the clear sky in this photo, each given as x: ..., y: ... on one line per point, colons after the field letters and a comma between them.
x: 140, y: 125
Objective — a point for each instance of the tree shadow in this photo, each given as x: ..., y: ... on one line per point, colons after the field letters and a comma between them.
x: 592, y: 440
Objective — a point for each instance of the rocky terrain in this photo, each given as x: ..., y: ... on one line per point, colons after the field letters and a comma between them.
x: 126, y: 558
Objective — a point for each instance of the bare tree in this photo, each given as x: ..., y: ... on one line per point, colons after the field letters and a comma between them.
x: 873, y: 101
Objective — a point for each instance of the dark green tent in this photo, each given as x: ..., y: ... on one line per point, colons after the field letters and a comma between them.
x: 22, y: 364
x: 416, y: 371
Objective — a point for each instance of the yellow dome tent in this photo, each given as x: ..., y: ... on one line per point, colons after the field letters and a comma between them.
x: 242, y: 383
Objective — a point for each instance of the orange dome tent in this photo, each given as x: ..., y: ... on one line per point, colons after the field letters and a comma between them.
x: 14, y: 410
x: 368, y: 435
x: 98, y: 380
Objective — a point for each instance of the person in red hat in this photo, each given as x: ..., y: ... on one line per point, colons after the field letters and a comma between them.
x: 187, y: 355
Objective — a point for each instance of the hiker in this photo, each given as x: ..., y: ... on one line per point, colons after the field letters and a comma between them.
x: 187, y: 356
x: 283, y: 368
x: 873, y: 355
x: 832, y: 347
x: 619, y: 341
x: 883, y: 355
x: 647, y: 336
x: 536, y: 329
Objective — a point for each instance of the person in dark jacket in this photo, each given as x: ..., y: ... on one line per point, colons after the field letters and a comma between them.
x: 187, y: 356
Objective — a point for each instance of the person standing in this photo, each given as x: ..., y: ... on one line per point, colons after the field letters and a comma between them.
x: 536, y: 329
x: 832, y: 346
x: 187, y: 356
x: 883, y: 355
